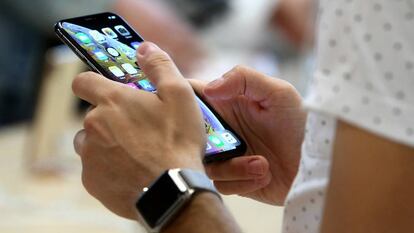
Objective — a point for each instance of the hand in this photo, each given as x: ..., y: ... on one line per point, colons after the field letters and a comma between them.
x: 266, y: 112
x: 295, y: 18
x: 132, y: 136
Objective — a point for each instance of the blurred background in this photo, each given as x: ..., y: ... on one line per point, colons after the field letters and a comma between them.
x: 40, y: 186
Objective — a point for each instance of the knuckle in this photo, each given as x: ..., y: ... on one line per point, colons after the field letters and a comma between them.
x: 289, y: 87
x: 179, y: 89
x: 262, y: 182
x: 158, y: 59
x: 91, y: 122
x: 240, y: 69
x: 289, y: 91
x: 182, y: 87
x: 112, y: 95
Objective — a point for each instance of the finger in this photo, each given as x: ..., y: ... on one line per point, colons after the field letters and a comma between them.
x: 160, y: 69
x: 198, y: 86
x: 97, y: 128
x: 79, y: 141
x: 239, y: 168
x: 90, y: 108
x: 92, y: 87
x: 240, y: 81
x: 243, y: 186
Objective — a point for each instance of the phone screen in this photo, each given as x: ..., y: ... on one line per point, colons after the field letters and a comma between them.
x: 110, y: 43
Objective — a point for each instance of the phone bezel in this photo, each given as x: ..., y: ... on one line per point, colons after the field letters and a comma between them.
x: 93, y: 65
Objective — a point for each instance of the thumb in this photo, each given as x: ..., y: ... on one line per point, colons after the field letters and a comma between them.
x: 240, y: 81
x: 158, y: 67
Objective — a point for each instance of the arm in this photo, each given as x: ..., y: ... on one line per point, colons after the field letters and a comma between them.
x: 371, y: 187
x: 205, y: 214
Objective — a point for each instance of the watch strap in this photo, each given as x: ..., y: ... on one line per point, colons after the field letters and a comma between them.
x: 198, y: 181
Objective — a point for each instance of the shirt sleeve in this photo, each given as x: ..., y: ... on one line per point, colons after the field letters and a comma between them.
x: 365, y: 69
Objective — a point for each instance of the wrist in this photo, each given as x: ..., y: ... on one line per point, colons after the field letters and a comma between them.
x: 187, y: 158
x: 201, y: 202
x: 169, y: 194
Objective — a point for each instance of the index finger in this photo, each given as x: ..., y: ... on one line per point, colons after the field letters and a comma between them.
x: 198, y: 86
x: 238, y: 168
x: 91, y: 87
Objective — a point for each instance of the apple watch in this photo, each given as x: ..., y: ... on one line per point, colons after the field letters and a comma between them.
x: 163, y: 199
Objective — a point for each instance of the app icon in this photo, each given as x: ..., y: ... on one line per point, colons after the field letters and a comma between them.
x: 132, y: 85
x: 122, y: 30
x: 229, y: 138
x: 101, y: 56
x: 83, y: 38
x: 129, y: 68
x: 113, y: 52
x: 109, y: 32
x: 128, y: 51
x: 135, y: 44
x: 97, y: 36
x: 130, y: 55
x: 216, y: 141
x: 116, y: 71
x: 146, y: 85
x: 208, y: 147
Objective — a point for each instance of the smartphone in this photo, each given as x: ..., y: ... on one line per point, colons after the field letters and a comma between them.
x: 107, y: 44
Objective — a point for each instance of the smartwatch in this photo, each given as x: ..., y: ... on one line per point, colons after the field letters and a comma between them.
x: 163, y: 199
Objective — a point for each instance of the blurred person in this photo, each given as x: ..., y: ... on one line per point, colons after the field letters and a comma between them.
x: 27, y: 31
x: 295, y: 20
x: 353, y: 172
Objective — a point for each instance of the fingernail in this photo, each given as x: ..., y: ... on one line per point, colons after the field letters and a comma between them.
x: 147, y: 48
x: 215, y: 83
x: 255, y: 167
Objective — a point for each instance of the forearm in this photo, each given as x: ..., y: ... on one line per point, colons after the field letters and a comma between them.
x: 371, y: 184
x: 205, y: 213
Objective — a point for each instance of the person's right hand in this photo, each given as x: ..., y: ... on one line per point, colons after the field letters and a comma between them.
x: 266, y: 112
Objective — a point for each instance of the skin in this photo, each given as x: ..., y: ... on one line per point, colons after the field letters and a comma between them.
x: 371, y: 184
x: 126, y: 143
x: 155, y: 22
x: 119, y: 129
x: 257, y: 106
x: 296, y: 20
x: 131, y: 137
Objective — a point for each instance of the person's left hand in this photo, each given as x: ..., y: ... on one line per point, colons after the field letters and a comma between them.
x: 132, y: 136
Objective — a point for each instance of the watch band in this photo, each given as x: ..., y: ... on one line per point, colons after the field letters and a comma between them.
x: 198, y: 181
x: 167, y: 195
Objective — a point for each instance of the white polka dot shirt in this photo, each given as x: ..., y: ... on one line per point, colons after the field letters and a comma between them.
x: 364, y: 76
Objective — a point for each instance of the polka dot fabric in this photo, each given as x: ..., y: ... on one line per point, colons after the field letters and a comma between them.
x: 303, y: 208
x: 364, y: 76
x: 365, y: 68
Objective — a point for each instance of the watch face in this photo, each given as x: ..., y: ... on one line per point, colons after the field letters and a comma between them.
x: 159, y: 198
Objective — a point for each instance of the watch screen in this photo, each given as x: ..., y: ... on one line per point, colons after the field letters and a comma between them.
x: 110, y: 44
x: 158, y: 199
